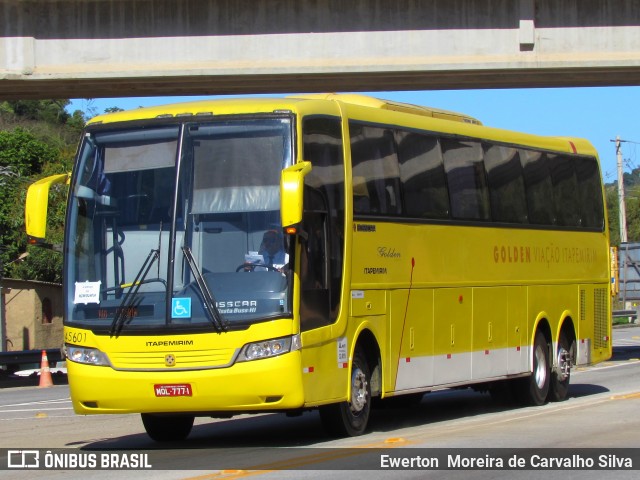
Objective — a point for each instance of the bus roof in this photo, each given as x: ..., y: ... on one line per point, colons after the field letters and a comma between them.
x: 248, y: 105
x: 372, y: 102
x: 204, y: 107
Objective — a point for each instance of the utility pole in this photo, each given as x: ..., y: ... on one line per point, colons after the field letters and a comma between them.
x: 621, y: 204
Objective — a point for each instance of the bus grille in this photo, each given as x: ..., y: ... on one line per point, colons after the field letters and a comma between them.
x: 600, y: 327
x: 176, y: 360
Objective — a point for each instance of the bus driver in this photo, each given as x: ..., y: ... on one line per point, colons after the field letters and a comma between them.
x: 272, y: 249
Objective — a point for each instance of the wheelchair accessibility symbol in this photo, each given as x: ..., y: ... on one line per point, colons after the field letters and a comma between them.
x: 180, y: 308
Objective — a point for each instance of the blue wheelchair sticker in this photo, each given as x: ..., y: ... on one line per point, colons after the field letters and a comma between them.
x: 180, y: 308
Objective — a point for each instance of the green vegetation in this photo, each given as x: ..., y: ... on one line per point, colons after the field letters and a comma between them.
x: 37, y: 138
x: 632, y: 204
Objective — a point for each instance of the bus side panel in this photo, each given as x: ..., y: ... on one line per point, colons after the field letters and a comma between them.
x: 593, y: 334
x: 549, y: 303
x: 490, y: 332
x: 324, y: 376
x: 517, y: 328
x: 452, y: 335
x: 499, y: 341
x: 410, y: 354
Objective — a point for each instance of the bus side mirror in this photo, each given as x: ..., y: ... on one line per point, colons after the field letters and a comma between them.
x: 291, y: 193
x: 36, y: 207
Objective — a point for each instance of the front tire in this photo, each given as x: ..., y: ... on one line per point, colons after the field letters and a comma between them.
x: 167, y: 428
x: 533, y: 390
x: 351, y: 418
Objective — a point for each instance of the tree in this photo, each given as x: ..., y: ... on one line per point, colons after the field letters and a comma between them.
x: 37, y: 138
x: 23, y: 153
x: 49, y: 111
x: 612, y: 213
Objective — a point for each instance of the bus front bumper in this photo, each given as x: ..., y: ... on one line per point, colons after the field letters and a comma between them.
x: 256, y: 386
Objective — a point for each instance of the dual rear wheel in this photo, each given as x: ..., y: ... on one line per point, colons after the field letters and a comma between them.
x: 546, y: 383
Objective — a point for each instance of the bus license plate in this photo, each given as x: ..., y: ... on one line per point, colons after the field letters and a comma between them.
x: 173, y: 390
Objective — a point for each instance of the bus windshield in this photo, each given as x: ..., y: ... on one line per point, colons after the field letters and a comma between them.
x: 179, y: 225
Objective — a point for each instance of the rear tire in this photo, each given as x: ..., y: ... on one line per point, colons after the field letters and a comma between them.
x: 561, y: 374
x: 167, y: 428
x: 533, y: 390
x: 351, y: 418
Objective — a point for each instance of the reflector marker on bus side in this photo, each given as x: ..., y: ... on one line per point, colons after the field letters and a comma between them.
x: 307, y: 370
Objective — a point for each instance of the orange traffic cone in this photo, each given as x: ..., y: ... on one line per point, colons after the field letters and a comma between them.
x: 45, y: 373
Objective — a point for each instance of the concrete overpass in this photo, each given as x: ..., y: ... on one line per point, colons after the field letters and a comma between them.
x: 107, y: 48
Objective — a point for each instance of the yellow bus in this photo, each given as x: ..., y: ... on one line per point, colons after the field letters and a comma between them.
x: 418, y: 250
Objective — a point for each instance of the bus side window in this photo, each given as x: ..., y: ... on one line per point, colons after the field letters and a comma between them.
x: 590, y: 192
x: 506, y: 185
x: 424, y: 185
x: 538, y: 186
x: 374, y: 159
x: 565, y: 186
x: 466, y: 179
x: 324, y: 212
x: 315, y: 300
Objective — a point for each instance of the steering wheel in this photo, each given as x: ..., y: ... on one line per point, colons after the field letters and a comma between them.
x: 250, y: 267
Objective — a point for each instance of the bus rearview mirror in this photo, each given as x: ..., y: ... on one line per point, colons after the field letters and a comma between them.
x: 36, y: 206
x: 291, y: 193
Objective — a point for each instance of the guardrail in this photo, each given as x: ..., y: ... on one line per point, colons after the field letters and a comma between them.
x: 12, y: 360
x: 633, y: 314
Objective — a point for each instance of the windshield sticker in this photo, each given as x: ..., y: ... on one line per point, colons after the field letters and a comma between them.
x: 181, y: 307
x: 87, y: 292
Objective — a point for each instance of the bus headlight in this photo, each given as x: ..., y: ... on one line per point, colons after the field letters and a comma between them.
x: 88, y: 356
x: 269, y: 348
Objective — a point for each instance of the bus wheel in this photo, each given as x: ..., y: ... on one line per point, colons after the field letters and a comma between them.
x: 351, y: 418
x: 167, y: 428
x: 533, y: 390
x: 561, y: 375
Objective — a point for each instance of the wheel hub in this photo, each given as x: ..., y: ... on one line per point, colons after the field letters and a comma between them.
x: 358, y: 391
x: 541, y: 368
x: 564, y: 364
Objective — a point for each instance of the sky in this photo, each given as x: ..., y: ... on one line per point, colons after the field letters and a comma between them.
x: 598, y: 114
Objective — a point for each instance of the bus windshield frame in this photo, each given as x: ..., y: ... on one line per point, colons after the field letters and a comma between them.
x: 168, y: 223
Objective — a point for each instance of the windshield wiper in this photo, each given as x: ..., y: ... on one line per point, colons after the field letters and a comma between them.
x: 209, y: 301
x: 124, y: 311
x: 126, y: 308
